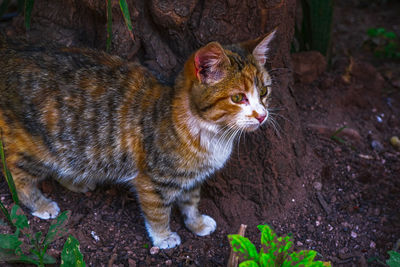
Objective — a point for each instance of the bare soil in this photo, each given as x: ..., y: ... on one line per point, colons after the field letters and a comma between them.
x: 348, y: 212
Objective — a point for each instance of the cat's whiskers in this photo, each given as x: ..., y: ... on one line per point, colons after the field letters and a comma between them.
x: 275, y: 125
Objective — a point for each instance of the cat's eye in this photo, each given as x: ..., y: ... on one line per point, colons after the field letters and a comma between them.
x: 239, y: 98
x: 264, y: 91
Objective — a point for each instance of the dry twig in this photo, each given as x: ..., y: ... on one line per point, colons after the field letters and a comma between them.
x: 233, y: 257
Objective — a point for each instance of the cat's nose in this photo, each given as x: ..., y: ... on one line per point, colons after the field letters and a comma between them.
x: 261, y: 118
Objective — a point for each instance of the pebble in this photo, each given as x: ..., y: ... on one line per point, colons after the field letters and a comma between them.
x: 353, y: 234
x: 372, y: 244
x: 299, y: 244
x: 317, y: 186
x: 154, y: 250
x: 395, y: 142
x: 317, y: 223
x: 168, y: 262
x: 376, y: 145
x: 95, y: 236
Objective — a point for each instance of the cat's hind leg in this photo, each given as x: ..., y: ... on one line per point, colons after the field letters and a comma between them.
x: 27, y: 173
x: 32, y: 197
x: 200, y: 224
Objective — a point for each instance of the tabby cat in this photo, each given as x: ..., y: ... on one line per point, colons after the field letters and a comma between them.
x: 86, y: 117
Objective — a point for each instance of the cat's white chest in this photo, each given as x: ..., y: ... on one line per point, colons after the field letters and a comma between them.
x: 219, y: 152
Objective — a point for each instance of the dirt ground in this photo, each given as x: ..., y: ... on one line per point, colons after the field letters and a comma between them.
x: 350, y: 214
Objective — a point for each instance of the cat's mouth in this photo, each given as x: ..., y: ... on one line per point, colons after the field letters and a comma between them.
x: 251, y: 126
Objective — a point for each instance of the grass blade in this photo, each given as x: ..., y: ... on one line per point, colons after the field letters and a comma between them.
x: 28, y: 12
x: 6, y: 214
x: 127, y: 17
x: 7, y: 175
x: 109, y: 25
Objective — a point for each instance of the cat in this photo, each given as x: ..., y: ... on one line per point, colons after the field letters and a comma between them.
x: 85, y: 117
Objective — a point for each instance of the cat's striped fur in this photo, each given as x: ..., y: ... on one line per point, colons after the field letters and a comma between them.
x: 85, y: 117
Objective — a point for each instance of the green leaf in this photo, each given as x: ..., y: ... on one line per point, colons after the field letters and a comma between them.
x: 249, y: 264
x: 8, y: 241
x: 7, y: 175
x: 390, y: 35
x: 56, y: 229
x: 127, y: 17
x: 38, y: 236
x: 19, y: 220
x: 47, y: 259
x: 243, y: 246
x: 125, y: 11
x: 394, y: 260
x: 71, y: 255
x: 28, y: 13
x: 10, y: 256
x: 266, y: 260
x: 267, y: 234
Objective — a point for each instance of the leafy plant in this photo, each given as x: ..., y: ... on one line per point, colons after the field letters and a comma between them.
x: 316, y: 26
x: 384, y: 43
x: 394, y: 260
x: 24, y: 245
x: 275, y: 251
x: 335, y: 136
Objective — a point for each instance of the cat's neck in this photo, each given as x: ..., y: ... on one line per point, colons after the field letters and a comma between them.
x: 192, y: 127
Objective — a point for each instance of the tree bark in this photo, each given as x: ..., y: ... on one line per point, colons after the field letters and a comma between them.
x: 265, y: 173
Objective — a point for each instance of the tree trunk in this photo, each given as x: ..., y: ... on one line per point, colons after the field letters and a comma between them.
x: 265, y: 172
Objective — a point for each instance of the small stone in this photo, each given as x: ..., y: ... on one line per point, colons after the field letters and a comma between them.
x: 395, y: 142
x: 168, y: 262
x: 317, y: 223
x: 376, y: 145
x: 154, y: 250
x: 372, y: 244
x: 353, y: 234
x: 317, y: 186
x: 95, y: 236
x: 330, y: 227
x: 299, y: 244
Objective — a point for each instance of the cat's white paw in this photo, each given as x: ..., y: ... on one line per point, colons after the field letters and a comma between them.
x: 170, y: 241
x: 50, y: 211
x: 209, y: 226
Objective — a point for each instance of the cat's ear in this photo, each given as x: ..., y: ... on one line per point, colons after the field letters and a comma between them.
x: 210, y: 63
x: 259, y: 47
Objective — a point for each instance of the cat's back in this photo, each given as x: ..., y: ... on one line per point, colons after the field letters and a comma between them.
x: 69, y: 106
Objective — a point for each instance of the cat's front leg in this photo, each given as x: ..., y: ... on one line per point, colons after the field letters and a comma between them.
x: 200, y: 224
x: 156, y: 213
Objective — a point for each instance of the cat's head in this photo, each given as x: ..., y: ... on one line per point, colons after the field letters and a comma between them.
x: 229, y: 85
